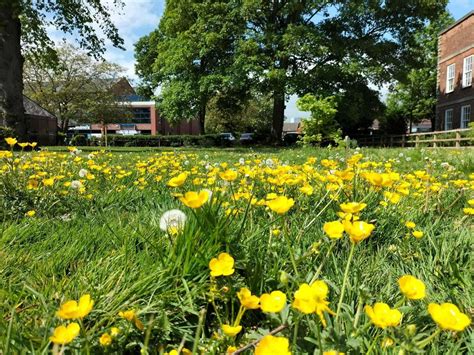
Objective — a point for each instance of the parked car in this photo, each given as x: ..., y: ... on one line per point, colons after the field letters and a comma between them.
x: 227, y: 137
x: 246, y: 138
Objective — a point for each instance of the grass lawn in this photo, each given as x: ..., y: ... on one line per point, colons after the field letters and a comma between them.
x: 91, y: 223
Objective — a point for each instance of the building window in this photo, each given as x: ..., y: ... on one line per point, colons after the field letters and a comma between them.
x: 467, y: 71
x: 450, y: 78
x: 448, y: 119
x: 465, y: 116
x: 141, y: 115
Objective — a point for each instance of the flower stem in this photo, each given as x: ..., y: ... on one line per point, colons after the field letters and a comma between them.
x: 344, y: 281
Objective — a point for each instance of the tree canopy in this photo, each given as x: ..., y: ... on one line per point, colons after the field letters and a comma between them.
x: 277, y: 47
x: 70, y: 88
x: 23, y: 29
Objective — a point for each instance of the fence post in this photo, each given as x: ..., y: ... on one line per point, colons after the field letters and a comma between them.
x: 417, y: 141
x: 403, y: 141
x: 435, y: 138
x: 458, y: 139
x: 391, y: 141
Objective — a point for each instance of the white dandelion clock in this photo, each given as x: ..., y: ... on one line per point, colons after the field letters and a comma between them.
x: 172, y: 221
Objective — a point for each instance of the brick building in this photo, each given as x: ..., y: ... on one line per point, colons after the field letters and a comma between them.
x: 145, y: 117
x: 455, y: 75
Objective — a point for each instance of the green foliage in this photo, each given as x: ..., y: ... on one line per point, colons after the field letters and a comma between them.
x: 83, y: 18
x: 204, y: 140
x: 413, y: 98
x: 320, y: 126
x: 205, y: 48
x: 226, y: 115
x: 190, y: 57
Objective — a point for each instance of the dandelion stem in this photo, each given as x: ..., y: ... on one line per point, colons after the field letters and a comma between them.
x: 344, y: 281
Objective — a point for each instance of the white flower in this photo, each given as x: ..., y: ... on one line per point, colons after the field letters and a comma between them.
x: 408, y: 158
x: 76, y: 184
x: 91, y: 156
x: 241, y: 161
x: 444, y: 165
x: 172, y: 219
x: 269, y: 162
x: 83, y: 173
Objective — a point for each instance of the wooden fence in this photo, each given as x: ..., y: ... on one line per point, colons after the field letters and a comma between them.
x: 454, y: 138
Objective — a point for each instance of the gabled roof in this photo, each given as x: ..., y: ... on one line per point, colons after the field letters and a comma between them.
x: 469, y: 14
x: 34, y: 109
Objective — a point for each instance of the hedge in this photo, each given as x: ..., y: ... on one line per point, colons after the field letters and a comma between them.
x: 206, y: 140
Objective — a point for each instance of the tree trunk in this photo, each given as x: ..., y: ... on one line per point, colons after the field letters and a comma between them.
x: 12, y: 112
x: 278, y: 113
x: 202, y: 119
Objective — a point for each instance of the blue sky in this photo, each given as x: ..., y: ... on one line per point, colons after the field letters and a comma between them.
x: 139, y: 17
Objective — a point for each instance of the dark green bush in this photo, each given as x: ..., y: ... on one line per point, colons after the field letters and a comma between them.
x: 207, y: 140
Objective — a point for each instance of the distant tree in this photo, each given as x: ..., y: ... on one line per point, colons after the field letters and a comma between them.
x: 103, y: 108
x: 190, y: 56
x: 413, y: 98
x: 68, y: 88
x: 320, y: 125
x: 357, y: 108
x: 23, y: 25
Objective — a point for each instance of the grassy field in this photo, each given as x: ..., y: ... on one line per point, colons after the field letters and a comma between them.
x: 77, y: 223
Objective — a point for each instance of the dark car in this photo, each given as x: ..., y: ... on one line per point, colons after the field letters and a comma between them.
x: 246, y: 138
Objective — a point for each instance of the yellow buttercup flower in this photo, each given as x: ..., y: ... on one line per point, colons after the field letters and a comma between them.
x: 11, y: 141
x: 411, y: 287
x: 334, y: 229
x: 352, y: 207
x: 131, y: 316
x: 230, y: 330
x: 64, y: 335
x: 114, y: 331
x: 383, y: 316
x: 410, y: 224
x: 332, y: 352
x: 105, y: 339
x: 273, y: 302
x: 448, y: 316
x: 23, y: 145
x: 30, y: 213
x: 280, y: 204
x: 417, y: 234
x: 74, y: 310
x: 223, y: 265
x: 183, y: 351
x: 358, y: 230
x: 273, y: 345
x: 247, y: 300
x: 312, y: 299
x: 178, y: 180
x: 195, y: 200
x: 228, y: 175
x: 48, y: 182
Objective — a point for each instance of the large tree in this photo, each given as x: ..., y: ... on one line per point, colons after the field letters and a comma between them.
x: 75, y: 81
x: 313, y: 45
x: 280, y: 46
x: 23, y: 23
x: 190, y: 57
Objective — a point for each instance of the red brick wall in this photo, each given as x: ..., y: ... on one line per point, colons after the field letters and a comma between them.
x: 454, y: 45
